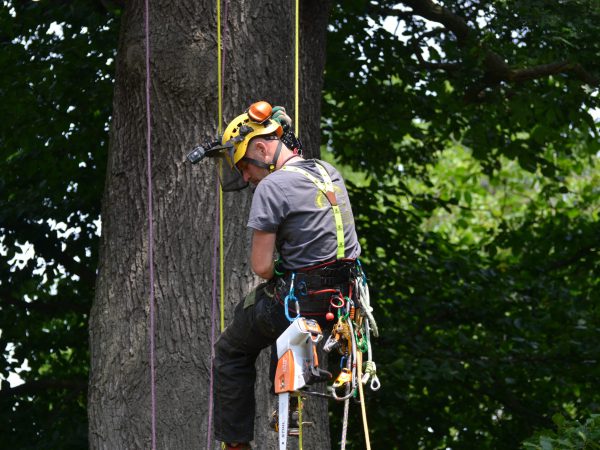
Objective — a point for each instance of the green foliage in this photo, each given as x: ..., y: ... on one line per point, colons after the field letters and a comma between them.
x: 570, y: 435
x: 489, y: 331
x: 56, y: 86
x: 478, y: 217
x: 475, y: 193
x: 399, y: 96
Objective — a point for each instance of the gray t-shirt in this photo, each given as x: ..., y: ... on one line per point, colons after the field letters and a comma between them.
x: 290, y: 205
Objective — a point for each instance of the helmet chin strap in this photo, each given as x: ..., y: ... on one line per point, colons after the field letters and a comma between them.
x: 269, y: 167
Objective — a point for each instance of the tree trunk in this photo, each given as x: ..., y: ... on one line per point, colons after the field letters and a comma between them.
x: 258, y: 61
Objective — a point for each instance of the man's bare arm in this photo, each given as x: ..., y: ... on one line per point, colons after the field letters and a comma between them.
x: 263, y: 249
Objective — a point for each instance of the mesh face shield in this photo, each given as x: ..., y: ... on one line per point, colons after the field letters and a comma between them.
x: 230, y: 177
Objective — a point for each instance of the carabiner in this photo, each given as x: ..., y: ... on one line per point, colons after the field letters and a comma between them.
x: 292, y: 297
x: 338, y: 305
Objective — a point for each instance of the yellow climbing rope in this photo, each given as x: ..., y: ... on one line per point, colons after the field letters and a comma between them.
x: 363, y: 409
x: 300, y: 406
x: 220, y: 131
x: 297, y: 131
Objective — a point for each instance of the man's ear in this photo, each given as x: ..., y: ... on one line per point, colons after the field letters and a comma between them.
x: 262, y: 149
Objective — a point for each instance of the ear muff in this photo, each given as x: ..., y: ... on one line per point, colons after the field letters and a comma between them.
x: 260, y: 111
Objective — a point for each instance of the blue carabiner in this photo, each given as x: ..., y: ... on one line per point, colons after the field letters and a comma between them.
x: 293, y: 298
x: 364, y: 281
x: 342, y: 362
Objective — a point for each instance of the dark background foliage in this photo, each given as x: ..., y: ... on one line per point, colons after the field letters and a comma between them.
x: 56, y: 91
x: 484, y: 338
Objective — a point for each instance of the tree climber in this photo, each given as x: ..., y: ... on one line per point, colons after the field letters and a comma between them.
x: 301, y: 212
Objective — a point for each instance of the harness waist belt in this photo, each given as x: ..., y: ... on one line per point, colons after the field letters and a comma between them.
x: 323, y: 277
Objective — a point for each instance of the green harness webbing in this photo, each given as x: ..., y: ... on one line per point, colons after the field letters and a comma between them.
x: 326, y: 187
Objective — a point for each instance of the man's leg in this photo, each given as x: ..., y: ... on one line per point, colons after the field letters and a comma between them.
x: 257, y: 322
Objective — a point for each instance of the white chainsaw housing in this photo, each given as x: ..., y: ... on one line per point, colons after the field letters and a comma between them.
x: 297, y: 362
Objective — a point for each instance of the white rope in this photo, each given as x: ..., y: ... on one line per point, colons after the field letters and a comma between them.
x: 345, y: 420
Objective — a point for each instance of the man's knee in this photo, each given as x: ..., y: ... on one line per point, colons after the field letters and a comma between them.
x: 224, y: 350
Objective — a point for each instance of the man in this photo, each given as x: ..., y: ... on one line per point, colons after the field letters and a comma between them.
x: 300, y: 210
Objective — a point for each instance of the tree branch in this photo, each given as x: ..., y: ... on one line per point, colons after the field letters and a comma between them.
x: 496, y: 69
x: 430, y: 65
x: 437, y: 13
x: 555, y: 68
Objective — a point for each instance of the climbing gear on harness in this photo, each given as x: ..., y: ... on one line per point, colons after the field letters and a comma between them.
x: 291, y: 297
x: 371, y: 372
x: 350, y: 336
x: 326, y: 187
x: 308, y: 295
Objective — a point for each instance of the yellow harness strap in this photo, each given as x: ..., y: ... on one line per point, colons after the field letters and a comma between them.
x: 326, y: 187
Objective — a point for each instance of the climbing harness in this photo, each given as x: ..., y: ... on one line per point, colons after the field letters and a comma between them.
x: 350, y: 337
x: 326, y: 187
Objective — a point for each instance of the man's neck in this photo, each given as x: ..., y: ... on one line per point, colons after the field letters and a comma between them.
x: 286, y: 157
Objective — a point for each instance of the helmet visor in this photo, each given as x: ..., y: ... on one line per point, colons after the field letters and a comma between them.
x: 230, y: 177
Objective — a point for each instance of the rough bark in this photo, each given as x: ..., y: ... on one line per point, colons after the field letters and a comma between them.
x: 258, y: 65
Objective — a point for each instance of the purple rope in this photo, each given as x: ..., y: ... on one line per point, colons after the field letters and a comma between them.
x: 215, y: 305
x: 212, y: 322
x: 150, y: 228
x: 225, y: 30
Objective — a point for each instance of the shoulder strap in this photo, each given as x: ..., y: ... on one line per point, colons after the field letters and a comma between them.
x: 326, y: 187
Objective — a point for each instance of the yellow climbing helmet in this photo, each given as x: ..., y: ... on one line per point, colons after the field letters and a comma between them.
x: 256, y: 121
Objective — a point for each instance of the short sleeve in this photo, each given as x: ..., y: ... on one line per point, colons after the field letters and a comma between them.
x: 269, y: 207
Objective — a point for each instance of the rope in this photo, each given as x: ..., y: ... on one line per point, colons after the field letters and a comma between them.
x: 362, y: 401
x: 221, y: 53
x: 221, y: 257
x: 218, y: 240
x: 297, y: 123
x: 297, y: 131
x: 219, y: 69
x: 150, y: 228
x: 212, y: 331
x: 350, y: 364
x: 300, y: 406
x: 345, y: 419
x: 297, y: 68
